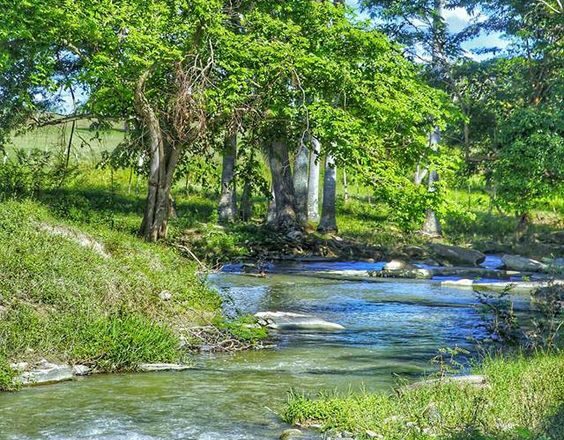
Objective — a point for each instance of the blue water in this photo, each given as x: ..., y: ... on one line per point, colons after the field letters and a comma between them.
x: 391, y: 328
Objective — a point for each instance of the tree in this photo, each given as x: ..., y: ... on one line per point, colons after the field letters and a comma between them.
x: 301, y: 182
x: 313, y: 181
x: 421, y: 26
x: 328, y: 221
x: 228, y: 200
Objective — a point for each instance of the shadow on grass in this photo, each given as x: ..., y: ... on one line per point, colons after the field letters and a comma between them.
x: 100, y: 205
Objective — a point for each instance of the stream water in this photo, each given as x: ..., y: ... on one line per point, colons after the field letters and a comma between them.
x: 391, y: 328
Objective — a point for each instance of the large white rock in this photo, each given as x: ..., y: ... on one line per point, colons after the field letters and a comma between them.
x: 398, y: 265
x: 517, y: 262
x: 296, y: 321
x: 46, y: 372
x: 464, y: 283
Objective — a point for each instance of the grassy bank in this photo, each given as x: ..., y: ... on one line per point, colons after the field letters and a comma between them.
x: 73, y: 289
x: 523, y: 399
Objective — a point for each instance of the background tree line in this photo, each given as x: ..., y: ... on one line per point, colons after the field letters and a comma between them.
x: 305, y: 89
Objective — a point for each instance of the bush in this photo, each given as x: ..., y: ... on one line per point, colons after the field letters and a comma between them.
x: 32, y: 172
x: 7, y: 375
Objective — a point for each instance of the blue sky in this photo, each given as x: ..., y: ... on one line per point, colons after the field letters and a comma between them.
x: 457, y: 19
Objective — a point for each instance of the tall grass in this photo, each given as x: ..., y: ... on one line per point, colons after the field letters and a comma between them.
x: 64, y: 301
x: 523, y: 399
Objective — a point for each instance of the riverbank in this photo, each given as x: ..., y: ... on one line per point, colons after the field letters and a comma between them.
x: 82, y: 293
x: 521, y: 398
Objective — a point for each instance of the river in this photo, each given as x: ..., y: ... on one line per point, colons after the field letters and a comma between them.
x: 391, y: 328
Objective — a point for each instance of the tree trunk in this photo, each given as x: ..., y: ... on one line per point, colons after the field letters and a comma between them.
x: 246, y: 202
x: 313, y: 182
x: 345, y: 186
x: 158, y: 205
x: 285, y: 218
x: 328, y: 221
x: 432, y: 226
x: 301, y: 182
x: 228, y: 200
x: 420, y: 173
x: 522, y: 227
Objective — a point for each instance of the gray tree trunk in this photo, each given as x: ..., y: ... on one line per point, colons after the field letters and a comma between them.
x: 271, y: 210
x: 301, y: 183
x: 313, y: 182
x: 432, y: 226
x: 163, y: 161
x: 345, y: 186
x: 228, y: 200
x: 285, y: 214
x: 328, y: 221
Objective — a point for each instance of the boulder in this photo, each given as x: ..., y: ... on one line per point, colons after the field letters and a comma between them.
x: 456, y: 255
x: 398, y: 265
x: 515, y: 286
x: 295, y: 321
x: 517, y: 262
x: 45, y: 372
x: 165, y: 295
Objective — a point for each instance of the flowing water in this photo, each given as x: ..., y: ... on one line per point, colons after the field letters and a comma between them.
x: 391, y: 328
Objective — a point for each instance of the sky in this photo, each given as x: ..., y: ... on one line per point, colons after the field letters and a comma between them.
x: 457, y: 19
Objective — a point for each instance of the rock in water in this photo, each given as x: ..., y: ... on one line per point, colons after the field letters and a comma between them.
x: 457, y: 255
x: 398, y: 265
x: 46, y: 372
x: 401, y: 269
x: 296, y: 321
x: 163, y: 367
x: 465, y: 283
x: 290, y: 434
x: 517, y: 262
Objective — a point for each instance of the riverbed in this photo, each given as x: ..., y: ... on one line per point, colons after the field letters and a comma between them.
x: 392, y: 330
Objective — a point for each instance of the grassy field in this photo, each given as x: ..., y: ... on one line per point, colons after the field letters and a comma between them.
x: 523, y: 399
x: 87, y: 144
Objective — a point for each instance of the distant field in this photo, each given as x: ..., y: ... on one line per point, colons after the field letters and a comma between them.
x: 87, y: 144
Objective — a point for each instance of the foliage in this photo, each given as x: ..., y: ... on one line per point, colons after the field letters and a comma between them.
x: 530, y: 163
x: 522, y: 401
x: 539, y: 330
x: 7, y: 375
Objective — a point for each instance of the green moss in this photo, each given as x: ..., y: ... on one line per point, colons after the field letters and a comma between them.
x: 244, y: 328
x: 524, y: 399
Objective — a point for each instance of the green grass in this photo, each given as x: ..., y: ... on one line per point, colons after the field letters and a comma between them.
x: 524, y: 399
x: 65, y: 302
x: 87, y: 144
